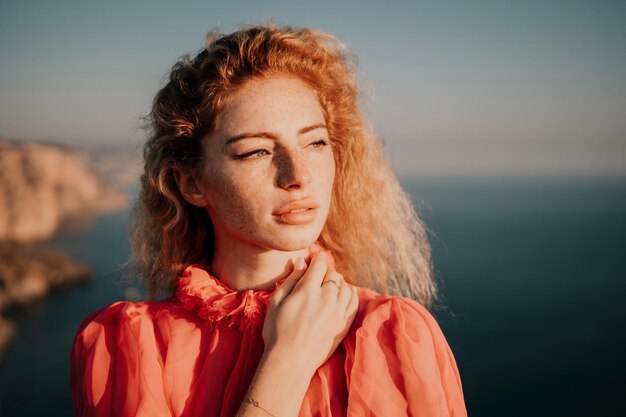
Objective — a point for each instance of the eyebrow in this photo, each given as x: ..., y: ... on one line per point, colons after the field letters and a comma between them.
x: 267, y: 135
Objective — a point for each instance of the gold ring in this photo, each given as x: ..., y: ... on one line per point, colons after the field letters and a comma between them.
x: 330, y: 280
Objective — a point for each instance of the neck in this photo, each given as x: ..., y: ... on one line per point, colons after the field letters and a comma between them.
x: 244, y: 266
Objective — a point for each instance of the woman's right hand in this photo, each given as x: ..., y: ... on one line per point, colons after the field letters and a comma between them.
x: 309, y: 315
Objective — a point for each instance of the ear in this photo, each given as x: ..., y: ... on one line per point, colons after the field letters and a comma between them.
x: 188, y: 187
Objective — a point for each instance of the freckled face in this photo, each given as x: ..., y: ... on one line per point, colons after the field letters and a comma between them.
x: 269, y: 167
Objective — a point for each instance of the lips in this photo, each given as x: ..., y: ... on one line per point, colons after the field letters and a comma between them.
x: 297, y: 212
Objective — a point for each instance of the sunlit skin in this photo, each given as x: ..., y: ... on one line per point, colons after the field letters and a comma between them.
x: 270, y: 147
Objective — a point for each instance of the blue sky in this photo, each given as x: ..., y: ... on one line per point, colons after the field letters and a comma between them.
x: 453, y: 88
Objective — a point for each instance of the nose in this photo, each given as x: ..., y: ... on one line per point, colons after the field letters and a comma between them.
x: 293, y: 171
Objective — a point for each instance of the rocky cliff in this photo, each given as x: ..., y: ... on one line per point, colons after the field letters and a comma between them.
x: 40, y: 187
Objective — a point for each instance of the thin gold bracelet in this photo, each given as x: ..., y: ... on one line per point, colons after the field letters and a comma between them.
x: 255, y: 403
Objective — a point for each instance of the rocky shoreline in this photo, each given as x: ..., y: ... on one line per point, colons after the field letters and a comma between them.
x: 42, y: 186
x: 27, y: 275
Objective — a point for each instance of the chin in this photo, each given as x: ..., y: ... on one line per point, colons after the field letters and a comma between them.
x: 291, y: 242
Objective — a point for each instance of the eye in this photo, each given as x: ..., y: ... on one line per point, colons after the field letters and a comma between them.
x: 257, y: 153
x: 319, y: 143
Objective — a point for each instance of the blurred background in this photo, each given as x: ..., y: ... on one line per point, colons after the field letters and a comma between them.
x: 506, y: 122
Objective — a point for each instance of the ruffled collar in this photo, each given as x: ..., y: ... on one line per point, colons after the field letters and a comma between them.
x: 211, y: 299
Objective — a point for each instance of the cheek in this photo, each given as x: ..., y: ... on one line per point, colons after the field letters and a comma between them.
x: 330, y: 177
x: 234, y: 198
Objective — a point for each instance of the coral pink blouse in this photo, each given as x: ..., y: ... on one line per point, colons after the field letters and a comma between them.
x: 195, y: 354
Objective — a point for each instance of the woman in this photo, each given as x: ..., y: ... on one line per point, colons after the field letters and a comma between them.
x: 269, y: 212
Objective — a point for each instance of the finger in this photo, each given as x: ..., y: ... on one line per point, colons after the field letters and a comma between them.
x: 313, y: 250
x: 332, y: 279
x: 315, y: 272
x: 350, y: 312
x: 290, y: 282
x: 345, y: 293
x: 353, y: 305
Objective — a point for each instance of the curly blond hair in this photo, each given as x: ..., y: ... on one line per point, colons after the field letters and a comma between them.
x: 372, y: 229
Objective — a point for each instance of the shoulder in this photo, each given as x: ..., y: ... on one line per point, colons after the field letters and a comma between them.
x: 376, y: 310
x: 399, y: 326
x: 118, y: 354
x: 124, y: 321
x: 398, y: 360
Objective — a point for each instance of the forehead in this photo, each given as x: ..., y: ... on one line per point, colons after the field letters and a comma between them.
x: 277, y: 102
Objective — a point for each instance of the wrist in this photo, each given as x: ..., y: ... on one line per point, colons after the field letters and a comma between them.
x: 286, y: 366
x: 278, y: 386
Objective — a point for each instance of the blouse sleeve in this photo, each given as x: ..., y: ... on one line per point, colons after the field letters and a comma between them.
x: 115, y: 365
x: 399, y: 363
